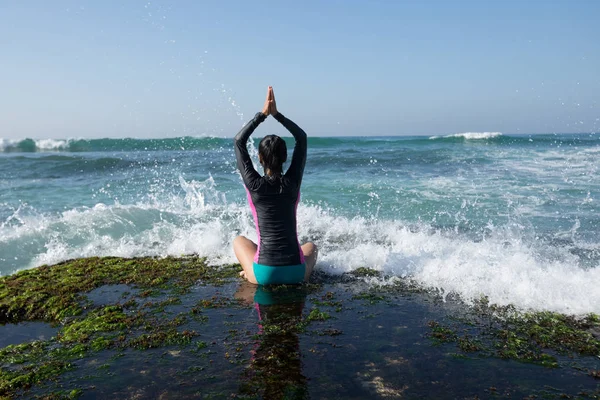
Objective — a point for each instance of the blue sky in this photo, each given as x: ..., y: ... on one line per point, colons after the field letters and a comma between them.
x: 160, y: 69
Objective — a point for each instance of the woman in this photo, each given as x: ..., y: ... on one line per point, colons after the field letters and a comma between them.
x: 278, y: 258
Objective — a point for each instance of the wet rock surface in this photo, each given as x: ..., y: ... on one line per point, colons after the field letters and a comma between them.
x: 178, y: 328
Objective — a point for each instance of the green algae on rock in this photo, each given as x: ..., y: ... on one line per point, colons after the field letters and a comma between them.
x: 365, y: 272
x: 57, y: 294
x: 533, y: 337
x: 108, y: 319
x: 52, y: 293
x: 317, y: 315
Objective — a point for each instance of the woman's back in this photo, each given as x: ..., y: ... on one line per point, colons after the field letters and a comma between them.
x: 273, y: 204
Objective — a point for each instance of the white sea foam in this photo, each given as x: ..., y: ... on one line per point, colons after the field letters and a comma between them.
x: 51, y: 144
x: 508, y: 267
x: 470, y: 135
x: 7, y: 143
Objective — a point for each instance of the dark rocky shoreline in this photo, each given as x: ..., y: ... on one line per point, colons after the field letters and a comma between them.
x: 178, y: 328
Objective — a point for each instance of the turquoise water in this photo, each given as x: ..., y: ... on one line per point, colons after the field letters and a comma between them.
x: 514, y: 218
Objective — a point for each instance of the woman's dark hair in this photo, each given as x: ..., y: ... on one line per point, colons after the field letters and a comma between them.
x: 273, y: 153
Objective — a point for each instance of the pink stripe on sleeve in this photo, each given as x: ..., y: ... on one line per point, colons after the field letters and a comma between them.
x: 296, y: 213
x: 253, y: 210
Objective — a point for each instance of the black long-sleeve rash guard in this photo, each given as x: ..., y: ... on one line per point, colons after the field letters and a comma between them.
x: 273, y: 201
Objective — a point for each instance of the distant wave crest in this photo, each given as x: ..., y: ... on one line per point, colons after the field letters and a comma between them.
x: 470, y: 135
x: 31, y: 145
x: 108, y: 144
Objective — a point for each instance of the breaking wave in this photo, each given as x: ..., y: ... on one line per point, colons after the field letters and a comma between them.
x: 507, y: 266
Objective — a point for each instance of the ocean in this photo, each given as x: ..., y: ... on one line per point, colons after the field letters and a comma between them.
x: 514, y: 218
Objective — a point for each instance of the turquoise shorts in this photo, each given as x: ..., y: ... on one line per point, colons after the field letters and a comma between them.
x: 289, y: 274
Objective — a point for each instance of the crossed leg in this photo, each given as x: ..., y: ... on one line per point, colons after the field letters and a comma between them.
x: 245, y: 249
x: 311, y: 252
